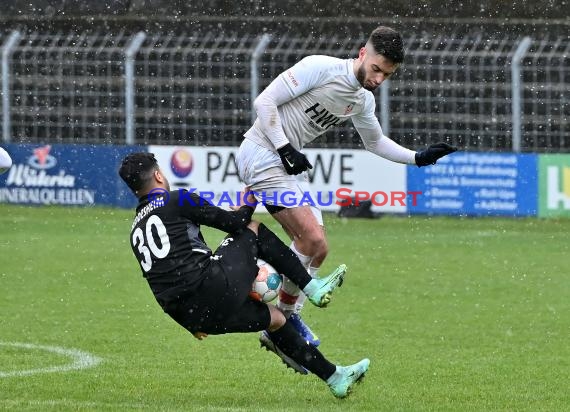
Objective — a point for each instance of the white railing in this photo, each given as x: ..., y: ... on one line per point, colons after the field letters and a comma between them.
x: 479, y: 92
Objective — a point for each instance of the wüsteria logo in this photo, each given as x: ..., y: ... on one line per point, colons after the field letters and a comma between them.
x: 34, y: 173
x: 37, y: 181
x: 41, y: 159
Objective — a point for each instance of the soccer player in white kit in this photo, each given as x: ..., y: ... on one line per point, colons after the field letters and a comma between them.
x: 301, y: 104
x: 5, y: 161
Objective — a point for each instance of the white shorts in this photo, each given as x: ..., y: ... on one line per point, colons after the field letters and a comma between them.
x: 261, y: 169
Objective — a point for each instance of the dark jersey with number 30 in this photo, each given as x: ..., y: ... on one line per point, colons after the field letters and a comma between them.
x: 167, y: 241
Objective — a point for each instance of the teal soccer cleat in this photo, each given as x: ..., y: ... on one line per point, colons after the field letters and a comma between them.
x: 345, y: 377
x: 325, y: 286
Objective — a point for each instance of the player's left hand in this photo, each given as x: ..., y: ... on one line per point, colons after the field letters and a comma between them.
x: 433, y: 153
x: 200, y: 335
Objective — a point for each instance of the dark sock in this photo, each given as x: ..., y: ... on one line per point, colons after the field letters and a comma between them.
x: 293, y: 345
x: 278, y: 254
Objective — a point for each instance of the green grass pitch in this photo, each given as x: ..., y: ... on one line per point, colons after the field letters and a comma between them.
x: 456, y: 314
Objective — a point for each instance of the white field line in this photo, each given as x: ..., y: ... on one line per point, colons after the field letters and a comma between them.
x: 79, y: 359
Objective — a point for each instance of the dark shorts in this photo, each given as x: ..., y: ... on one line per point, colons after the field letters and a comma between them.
x: 272, y: 209
x: 222, y: 303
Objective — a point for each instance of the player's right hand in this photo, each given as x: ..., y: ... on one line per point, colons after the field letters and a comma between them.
x: 294, y: 161
x: 433, y: 153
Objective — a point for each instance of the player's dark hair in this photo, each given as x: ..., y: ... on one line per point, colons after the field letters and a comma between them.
x: 387, y: 42
x: 137, y: 170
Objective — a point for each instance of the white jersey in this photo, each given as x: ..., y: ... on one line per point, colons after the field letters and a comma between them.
x: 317, y: 93
x: 5, y: 160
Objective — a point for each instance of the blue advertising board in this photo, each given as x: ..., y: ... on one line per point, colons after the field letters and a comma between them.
x: 476, y: 184
x: 80, y: 175
x: 470, y: 184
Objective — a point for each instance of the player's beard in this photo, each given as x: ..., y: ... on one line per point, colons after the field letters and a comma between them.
x: 361, y: 77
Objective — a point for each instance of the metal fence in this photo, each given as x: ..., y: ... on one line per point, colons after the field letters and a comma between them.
x: 476, y: 91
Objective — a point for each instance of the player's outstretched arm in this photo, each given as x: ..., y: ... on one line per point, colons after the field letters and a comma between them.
x: 201, y: 211
x: 433, y: 153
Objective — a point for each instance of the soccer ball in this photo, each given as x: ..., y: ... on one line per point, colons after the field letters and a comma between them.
x: 5, y: 161
x: 267, y: 284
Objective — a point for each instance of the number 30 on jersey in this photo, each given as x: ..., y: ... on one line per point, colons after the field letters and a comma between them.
x: 146, y: 243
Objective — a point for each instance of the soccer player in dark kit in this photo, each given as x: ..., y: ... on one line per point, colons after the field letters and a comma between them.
x: 208, y: 292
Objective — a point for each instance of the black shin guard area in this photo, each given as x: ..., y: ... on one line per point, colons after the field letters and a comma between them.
x: 277, y: 254
x: 293, y: 345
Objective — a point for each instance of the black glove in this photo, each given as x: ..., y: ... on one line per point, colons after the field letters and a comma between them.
x: 294, y: 161
x: 434, y: 152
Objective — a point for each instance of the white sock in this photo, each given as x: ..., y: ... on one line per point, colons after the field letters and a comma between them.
x: 300, y: 302
x: 288, y: 296
x: 289, y: 289
x: 335, y: 376
x: 305, y: 260
x: 302, y: 297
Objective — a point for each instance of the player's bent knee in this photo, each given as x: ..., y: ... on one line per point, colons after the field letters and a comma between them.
x: 322, y: 246
x: 315, y: 245
x: 277, y: 318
